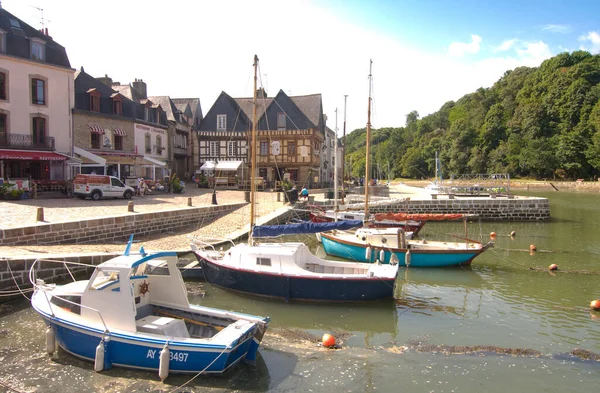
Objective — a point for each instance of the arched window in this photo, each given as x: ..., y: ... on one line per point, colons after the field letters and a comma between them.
x: 159, y: 146
x: 148, y: 143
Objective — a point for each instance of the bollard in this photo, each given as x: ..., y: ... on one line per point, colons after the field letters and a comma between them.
x: 189, y: 201
x: 278, y: 197
x: 40, y: 214
x: 35, y: 191
x: 130, y: 206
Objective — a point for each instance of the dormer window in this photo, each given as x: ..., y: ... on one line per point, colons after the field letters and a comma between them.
x: 117, y: 102
x: 94, y: 100
x: 221, y: 122
x: 2, y: 41
x: 281, y: 121
x: 38, y: 49
x: 118, y: 107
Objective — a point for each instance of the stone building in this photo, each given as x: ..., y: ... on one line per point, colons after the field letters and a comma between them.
x: 113, y: 133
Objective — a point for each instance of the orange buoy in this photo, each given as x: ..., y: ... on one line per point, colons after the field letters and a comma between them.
x: 532, y: 247
x: 595, y: 305
x: 554, y: 266
x: 513, y: 233
x: 328, y: 340
x: 492, y: 234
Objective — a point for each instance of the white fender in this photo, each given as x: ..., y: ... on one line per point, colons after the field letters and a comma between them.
x: 163, y: 367
x: 407, y: 258
x: 368, y: 254
x: 99, y: 361
x: 50, y: 341
x: 394, y: 259
x: 382, y: 256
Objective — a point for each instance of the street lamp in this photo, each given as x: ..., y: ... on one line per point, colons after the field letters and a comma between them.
x: 214, y: 194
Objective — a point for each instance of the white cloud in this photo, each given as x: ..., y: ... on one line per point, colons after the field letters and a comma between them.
x: 534, y: 53
x: 459, y: 49
x: 506, y: 45
x: 557, y: 28
x: 591, y: 42
x: 179, y: 56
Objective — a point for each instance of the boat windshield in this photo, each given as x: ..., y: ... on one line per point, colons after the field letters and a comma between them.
x: 104, y: 278
x: 156, y: 268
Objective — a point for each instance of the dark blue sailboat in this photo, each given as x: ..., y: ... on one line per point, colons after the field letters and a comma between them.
x: 289, y: 270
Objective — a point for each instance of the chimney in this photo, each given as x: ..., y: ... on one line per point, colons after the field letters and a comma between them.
x: 261, y: 93
x: 106, y: 80
x: 140, y: 86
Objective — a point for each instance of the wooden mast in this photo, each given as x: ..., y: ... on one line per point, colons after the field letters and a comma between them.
x: 344, y: 153
x: 253, y: 155
x: 367, y: 160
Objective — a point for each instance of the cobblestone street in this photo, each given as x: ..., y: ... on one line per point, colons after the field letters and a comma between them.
x: 22, y: 213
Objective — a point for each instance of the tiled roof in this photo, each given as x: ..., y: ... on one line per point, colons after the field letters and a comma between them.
x: 194, y: 104
x: 167, y: 105
x: 310, y: 105
x: 18, y: 43
x: 248, y: 103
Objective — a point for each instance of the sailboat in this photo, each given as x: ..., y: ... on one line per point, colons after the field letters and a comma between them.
x: 391, y: 245
x: 435, y: 187
x: 350, y: 212
x: 290, y: 271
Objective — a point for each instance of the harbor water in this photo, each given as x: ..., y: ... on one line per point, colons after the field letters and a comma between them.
x: 507, y: 323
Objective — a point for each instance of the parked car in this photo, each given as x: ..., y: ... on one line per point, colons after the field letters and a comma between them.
x: 100, y: 186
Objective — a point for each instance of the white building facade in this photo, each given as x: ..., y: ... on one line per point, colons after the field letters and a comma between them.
x: 36, y: 97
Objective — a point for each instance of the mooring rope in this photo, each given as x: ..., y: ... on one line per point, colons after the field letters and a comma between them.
x: 200, y: 373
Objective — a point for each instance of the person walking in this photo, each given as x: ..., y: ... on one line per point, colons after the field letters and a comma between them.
x: 304, y: 193
x: 141, y: 187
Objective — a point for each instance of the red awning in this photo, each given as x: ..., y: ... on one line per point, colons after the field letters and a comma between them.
x: 31, y: 155
x: 118, y: 131
x: 96, y: 130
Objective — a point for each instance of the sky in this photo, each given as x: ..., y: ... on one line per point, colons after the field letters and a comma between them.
x: 424, y: 52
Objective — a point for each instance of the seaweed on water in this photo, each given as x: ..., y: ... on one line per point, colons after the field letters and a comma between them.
x: 295, y: 334
x: 478, y: 349
x: 585, y: 354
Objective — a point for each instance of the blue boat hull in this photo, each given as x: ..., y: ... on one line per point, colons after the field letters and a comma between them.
x: 418, y: 258
x: 141, y: 353
x: 194, y: 273
x: 296, y: 287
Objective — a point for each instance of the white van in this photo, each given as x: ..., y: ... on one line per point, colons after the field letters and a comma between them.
x: 100, y: 186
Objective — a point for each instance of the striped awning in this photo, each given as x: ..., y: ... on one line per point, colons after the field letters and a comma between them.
x: 118, y: 131
x: 96, y: 130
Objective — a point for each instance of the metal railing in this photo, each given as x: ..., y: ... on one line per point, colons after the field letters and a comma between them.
x: 42, y: 286
x: 24, y: 141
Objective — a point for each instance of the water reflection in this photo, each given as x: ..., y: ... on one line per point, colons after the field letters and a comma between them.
x: 430, y: 291
x: 375, y: 317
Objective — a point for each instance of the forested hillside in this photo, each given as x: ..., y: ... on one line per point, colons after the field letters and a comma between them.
x: 533, y: 122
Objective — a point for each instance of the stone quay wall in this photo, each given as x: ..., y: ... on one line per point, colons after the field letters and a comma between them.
x: 487, y: 208
x: 113, y: 228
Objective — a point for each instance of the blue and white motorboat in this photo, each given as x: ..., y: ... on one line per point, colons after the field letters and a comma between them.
x: 134, y: 312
